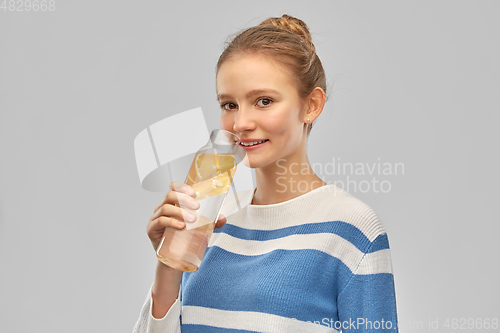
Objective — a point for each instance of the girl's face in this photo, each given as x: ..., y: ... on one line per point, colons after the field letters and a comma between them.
x: 259, y: 102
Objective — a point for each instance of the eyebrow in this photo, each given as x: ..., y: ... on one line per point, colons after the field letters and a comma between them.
x: 250, y: 93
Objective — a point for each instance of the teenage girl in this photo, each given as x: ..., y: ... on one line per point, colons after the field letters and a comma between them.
x: 308, y: 258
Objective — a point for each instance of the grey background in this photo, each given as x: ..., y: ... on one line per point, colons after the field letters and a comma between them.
x: 415, y: 83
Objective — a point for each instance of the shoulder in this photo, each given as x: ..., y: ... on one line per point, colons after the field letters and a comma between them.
x: 343, y: 206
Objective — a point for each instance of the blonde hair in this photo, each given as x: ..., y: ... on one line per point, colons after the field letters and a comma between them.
x: 284, y: 39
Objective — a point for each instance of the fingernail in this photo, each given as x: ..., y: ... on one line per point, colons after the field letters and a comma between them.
x: 191, y: 217
x: 194, y: 204
x: 180, y: 224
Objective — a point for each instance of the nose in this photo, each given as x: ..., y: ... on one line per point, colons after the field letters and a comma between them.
x: 243, y: 120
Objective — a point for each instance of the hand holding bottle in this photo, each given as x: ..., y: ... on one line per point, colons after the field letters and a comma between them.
x: 169, y: 214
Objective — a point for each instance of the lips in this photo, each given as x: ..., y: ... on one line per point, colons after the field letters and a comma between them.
x: 252, y: 142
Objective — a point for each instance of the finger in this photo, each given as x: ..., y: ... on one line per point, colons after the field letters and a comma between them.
x: 184, y: 188
x: 156, y: 228
x: 171, y: 211
x: 163, y: 222
x: 179, y: 199
x: 220, y: 222
x: 177, y: 187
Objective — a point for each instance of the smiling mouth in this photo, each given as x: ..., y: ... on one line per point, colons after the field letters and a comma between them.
x: 253, y: 143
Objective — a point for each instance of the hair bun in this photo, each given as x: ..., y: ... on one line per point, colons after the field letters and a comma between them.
x: 294, y: 25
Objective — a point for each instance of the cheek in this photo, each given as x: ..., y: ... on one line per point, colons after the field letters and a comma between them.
x: 287, y: 130
x: 226, y: 123
x: 276, y: 123
x: 281, y: 124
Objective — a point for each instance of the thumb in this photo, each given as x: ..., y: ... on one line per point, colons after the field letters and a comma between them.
x: 221, y: 221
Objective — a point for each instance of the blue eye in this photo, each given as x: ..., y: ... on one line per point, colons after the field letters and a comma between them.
x: 267, y: 102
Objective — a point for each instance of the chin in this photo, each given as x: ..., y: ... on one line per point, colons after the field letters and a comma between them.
x: 256, y: 163
x: 250, y: 164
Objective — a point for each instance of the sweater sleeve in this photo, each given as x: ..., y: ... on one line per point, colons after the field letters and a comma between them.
x: 170, y: 323
x: 368, y: 302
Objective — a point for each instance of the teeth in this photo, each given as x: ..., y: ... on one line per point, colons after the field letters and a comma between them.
x: 251, y: 143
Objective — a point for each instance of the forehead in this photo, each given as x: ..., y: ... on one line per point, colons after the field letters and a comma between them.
x: 250, y: 72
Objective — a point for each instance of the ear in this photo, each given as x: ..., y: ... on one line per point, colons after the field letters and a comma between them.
x: 314, y: 105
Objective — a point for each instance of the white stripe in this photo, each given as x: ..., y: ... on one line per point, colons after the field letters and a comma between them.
x: 247, y: 320
x: 331, y: 244
x: 376, y: 262
x: 329, y: 202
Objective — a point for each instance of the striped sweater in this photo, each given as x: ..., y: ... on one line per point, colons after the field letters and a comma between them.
x: 316, y: 263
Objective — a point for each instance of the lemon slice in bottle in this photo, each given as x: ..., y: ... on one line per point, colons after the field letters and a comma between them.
x: 209, y: 173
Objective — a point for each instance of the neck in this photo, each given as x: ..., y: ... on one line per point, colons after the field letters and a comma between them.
x: 284, y: 180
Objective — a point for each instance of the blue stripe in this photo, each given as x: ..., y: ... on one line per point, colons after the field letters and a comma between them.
x: 188, y: 328
x: 379, y: 243
x: 262, y: 283
x: 342, y: 229
x: 371, y: 297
